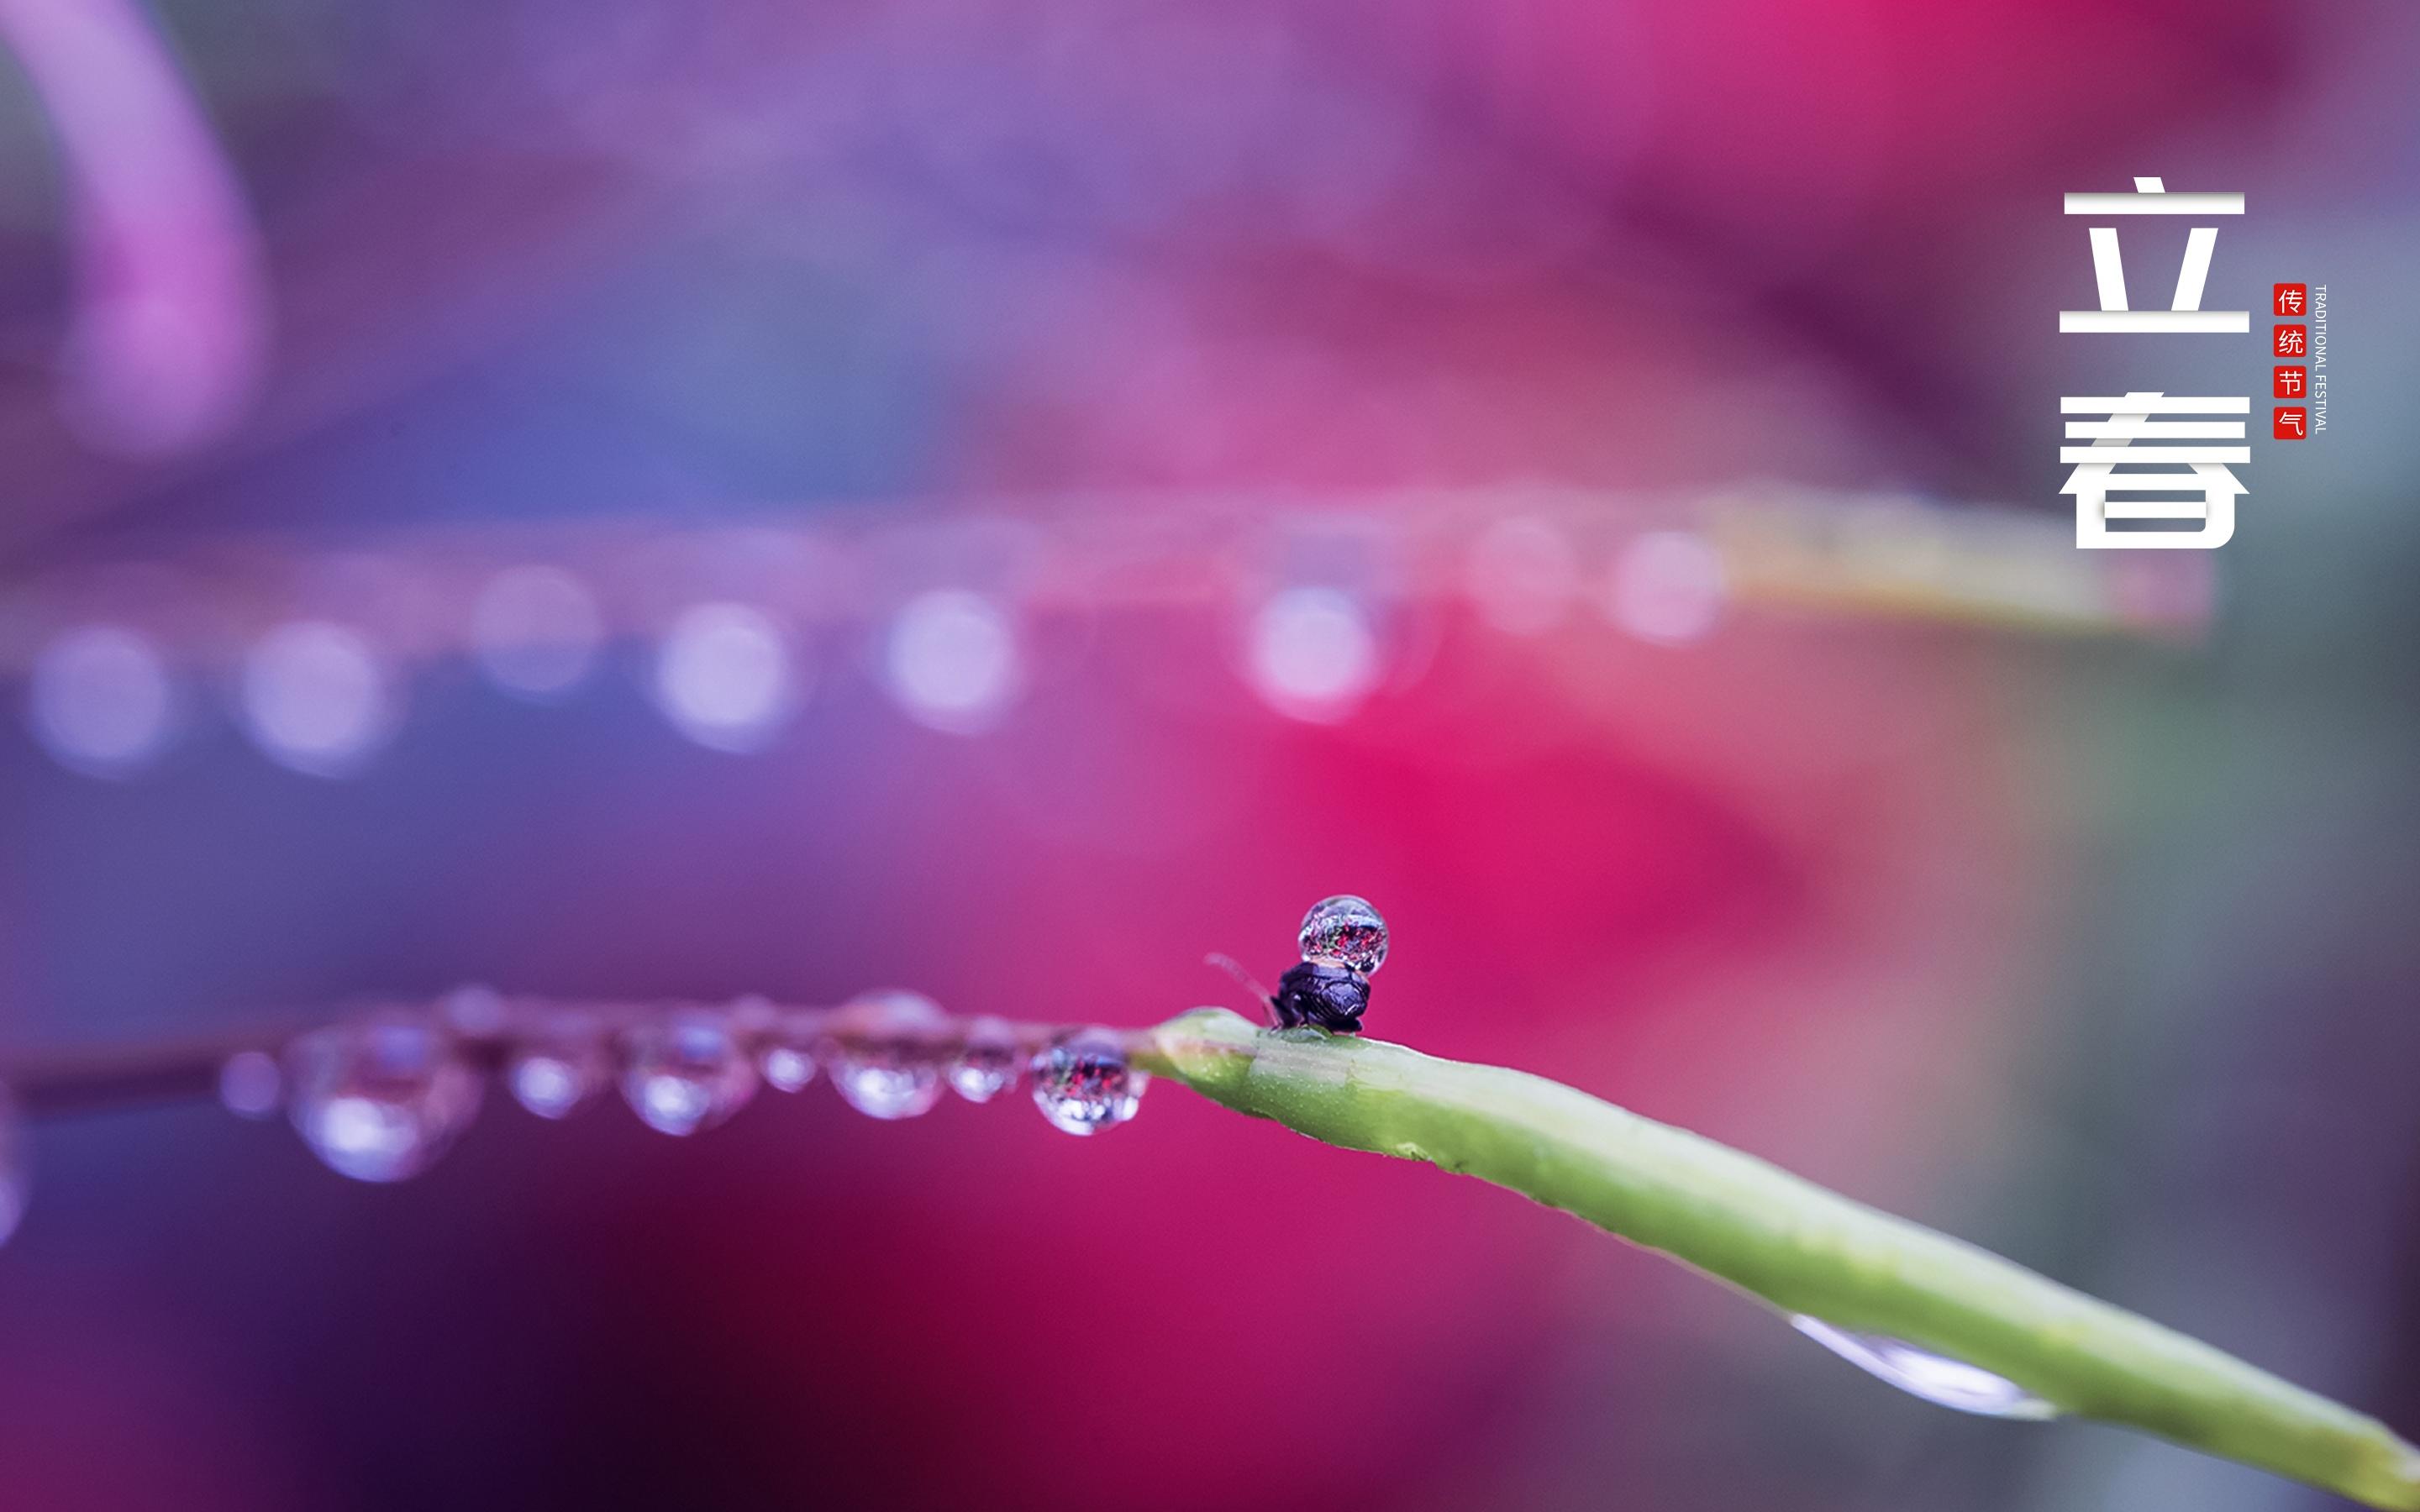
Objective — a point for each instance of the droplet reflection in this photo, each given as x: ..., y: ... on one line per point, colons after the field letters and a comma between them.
x: 787, y: 1055
x: 1936, y: 1378
x: 987, y: 1063
x: 559, y: 1063
x: 1083, y: 1084
x: 1345, y: 930
x: 787, y: 1068
x: 880, y: 1065
x: 379, y: 1099
x: 686, y: 1073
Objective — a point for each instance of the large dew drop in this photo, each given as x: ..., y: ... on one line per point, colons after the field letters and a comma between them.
x: 1345, y: 930
x: 1083, y: 1084
x: 379, y: 1099
x: 686, y: 1072
x: 1936, y: 1378
x: 882, y: 1065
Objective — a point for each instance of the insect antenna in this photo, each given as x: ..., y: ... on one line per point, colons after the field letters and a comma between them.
x: 1261, y: 996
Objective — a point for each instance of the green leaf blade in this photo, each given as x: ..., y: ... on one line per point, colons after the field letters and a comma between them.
x: 1792, y: 1243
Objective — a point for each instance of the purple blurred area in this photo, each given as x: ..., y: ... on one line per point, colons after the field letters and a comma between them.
x: 2094, y: 948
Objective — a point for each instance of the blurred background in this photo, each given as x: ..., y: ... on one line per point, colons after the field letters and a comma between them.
x: 636, y: 499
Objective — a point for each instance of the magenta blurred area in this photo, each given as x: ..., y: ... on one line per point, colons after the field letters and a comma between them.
x: 2092, y: 950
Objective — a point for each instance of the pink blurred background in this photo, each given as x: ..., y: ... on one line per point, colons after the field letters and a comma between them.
x: 2091, y: 947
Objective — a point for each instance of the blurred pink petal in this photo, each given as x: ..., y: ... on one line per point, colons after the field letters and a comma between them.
x: 165, y: 349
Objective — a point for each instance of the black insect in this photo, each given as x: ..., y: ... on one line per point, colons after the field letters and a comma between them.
x: 1326, y: 997
x: 1343, y: 940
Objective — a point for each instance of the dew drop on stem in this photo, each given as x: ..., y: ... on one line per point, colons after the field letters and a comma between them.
x: 686, y: 1072
x: 786, y: 1053
x: 986, y: 1062
x: 559, y: 1061
x: 1935, y: 1378
x: 379, y: 1099
x: 883, y: 1062
x: 1084, y: 1083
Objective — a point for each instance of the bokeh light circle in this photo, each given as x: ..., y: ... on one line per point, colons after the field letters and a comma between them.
x: 725, y: 676
x: 1314, y: 654
x: 316, y: 698
x: 952, y: 660
x: 101, y: 699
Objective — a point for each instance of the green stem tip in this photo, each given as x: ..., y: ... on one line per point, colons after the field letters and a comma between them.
x: 1799, y: 1247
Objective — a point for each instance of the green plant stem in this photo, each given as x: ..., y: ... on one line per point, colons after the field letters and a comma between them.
x: 1797, y: 1245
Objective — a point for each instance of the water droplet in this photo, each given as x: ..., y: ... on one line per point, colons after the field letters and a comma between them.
x: 1083, y: 1084
x: 559, y: 1063
x: 250, y: 1085
x: 1345, y: 930
x: 379, y: 1099
x: 14, y: 1186
x: 987, y: 1063
x: 1936, y: 1378
x: 788, y: 1057
x: 787, y: 1068
x: 882, y: 1065
x: 686, y: 1072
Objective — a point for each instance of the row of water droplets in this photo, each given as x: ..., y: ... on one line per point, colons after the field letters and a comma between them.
x: 381, y: 1096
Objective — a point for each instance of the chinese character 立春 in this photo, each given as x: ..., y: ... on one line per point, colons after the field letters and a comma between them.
x: 2289, y: 341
